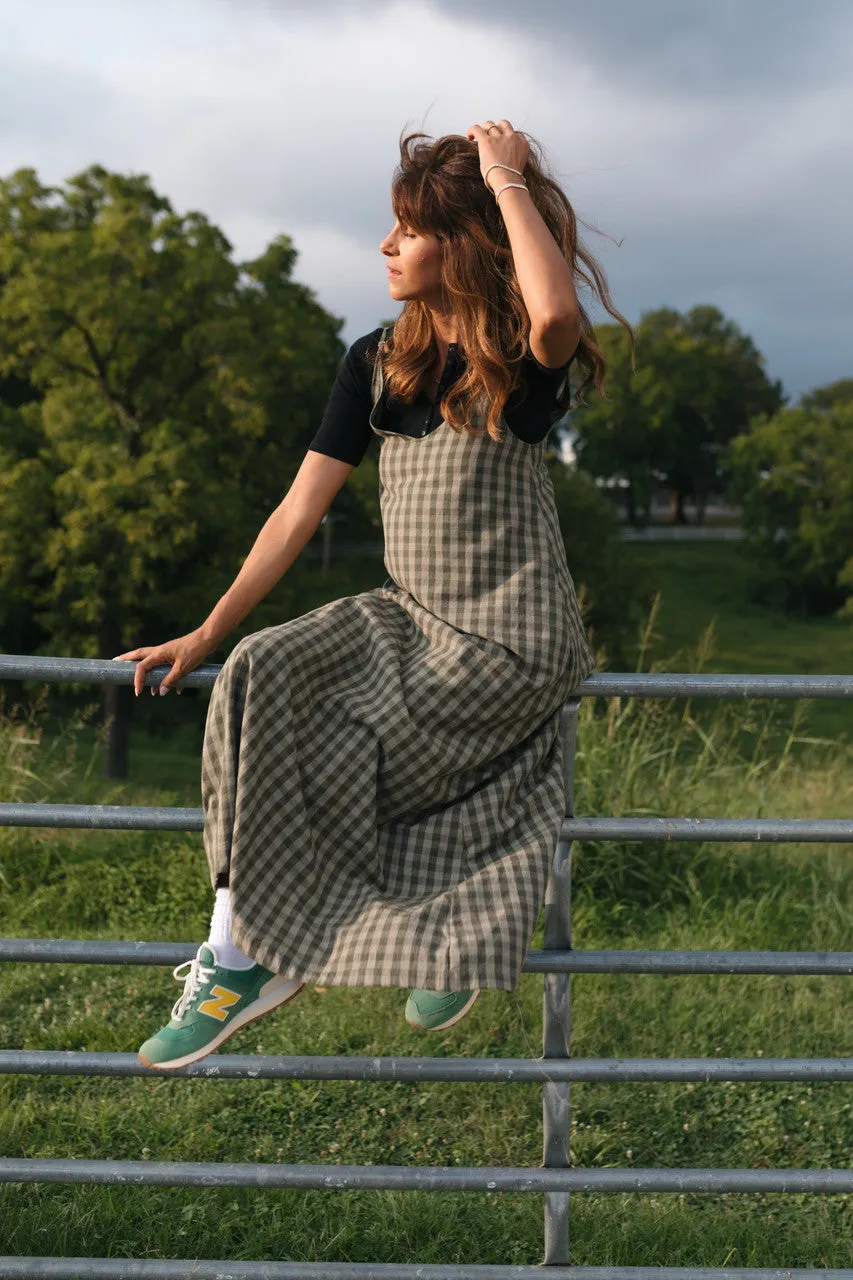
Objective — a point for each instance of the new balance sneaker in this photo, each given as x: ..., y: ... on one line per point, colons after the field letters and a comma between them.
x: 214, y: 1004
x: 437, y: 1010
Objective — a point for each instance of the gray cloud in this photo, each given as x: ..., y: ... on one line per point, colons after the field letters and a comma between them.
x: 697, y: 48
x: 677, y: 46
x: 711, y: 140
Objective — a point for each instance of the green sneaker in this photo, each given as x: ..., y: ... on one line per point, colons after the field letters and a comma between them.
x: 436, y: 1010
x: 214, y: 1004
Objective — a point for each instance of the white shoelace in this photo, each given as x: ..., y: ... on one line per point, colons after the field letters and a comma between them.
x: 193, y: 980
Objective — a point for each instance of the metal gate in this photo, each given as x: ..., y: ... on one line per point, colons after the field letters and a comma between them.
x: 555, y: 1070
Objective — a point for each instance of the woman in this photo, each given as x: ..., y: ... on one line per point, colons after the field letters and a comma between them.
x: 381, y: 777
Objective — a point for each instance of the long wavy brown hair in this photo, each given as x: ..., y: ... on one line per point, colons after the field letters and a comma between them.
x: 438, y: 189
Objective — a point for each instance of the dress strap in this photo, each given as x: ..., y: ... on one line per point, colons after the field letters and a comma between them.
x: 378, y: 376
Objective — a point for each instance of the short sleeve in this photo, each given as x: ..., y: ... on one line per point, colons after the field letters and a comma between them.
x: 546, y: 401
x: 345, y: 432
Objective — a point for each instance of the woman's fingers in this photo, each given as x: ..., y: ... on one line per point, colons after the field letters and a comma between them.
x: 138, y: 656
x: 139, y: 676
x: 151, y: 660
x: 146, y: 659
x: 174, y: 670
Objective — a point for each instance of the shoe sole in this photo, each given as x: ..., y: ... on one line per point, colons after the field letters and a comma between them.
x: 251, y: 1013
x: 442, y: 1026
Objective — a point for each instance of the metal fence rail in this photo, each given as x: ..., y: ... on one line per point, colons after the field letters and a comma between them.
x: 212, y: 1269
x: 556, y: 1069
x: 224, y: 1066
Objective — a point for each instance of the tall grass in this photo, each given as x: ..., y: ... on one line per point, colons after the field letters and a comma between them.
x: 694, y: 757
x: 634, y: 756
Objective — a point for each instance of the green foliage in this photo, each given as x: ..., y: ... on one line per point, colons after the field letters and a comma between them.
x: 613, y: 589
x: 174, y: 394
x: 698, y: 382
x: 614, y: 435
x: 834, y: 393
x: 792, y: 473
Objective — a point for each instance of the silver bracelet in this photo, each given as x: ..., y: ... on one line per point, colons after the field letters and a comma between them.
x: 498, y: 165
x: 521, y: 185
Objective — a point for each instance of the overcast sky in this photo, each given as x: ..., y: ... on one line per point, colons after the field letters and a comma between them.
x: 711, y: 138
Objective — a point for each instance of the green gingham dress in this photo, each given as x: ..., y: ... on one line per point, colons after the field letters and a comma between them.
x: 382, y: 776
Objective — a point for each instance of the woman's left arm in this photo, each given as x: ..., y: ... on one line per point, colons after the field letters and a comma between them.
x: 544, y: 277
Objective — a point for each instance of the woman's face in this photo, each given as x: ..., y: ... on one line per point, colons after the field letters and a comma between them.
x: 416, y: 263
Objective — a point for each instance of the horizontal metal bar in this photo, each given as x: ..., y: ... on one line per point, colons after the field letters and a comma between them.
x: 26, y: 666
x: 34, y: 1268
x: 75, y: 951
x: 117, y: 817
x: 685, y: 962
x: 388, y: 1177
x: 106, y: 817
x: 824, y: 830
x: 256, y: 1066
x: 669, y: 684
x: 608, y: 684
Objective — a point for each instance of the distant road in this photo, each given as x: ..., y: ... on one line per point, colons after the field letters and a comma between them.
x: 681, y: 533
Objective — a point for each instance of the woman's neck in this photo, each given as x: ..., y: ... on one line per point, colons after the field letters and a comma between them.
x: 444, y: 329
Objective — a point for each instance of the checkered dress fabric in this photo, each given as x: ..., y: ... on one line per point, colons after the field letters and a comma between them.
x: 382, y: 776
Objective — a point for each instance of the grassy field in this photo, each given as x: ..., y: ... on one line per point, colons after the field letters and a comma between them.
x: 704, y: 584
x: 634, y: 757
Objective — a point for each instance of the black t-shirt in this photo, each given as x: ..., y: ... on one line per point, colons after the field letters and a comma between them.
x: 345, y: 431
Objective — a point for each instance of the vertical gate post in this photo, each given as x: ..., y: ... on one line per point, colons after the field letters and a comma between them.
x: 556, y: 1009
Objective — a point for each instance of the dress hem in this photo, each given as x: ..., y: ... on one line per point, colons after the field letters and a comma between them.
x: 414, y: 978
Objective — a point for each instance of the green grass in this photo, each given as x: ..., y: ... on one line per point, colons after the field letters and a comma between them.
x: 705, y: 584
x: 634, y: 756
x: 795, y: 898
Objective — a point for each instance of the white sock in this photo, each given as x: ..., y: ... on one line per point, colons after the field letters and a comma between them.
x: 220, y: 934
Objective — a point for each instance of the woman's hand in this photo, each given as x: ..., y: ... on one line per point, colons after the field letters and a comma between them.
x: 499, y: 143
x: 185, y: 654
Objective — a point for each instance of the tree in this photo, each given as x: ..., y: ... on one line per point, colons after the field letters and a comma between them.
x: 713, y: 383
x: 839, y: 392
x: 698, y: 383
x: 793, y: 475
x: 614, y: 440
x: 175, y: 392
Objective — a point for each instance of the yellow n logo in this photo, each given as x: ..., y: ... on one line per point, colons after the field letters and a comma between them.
x: 218, y: 1003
